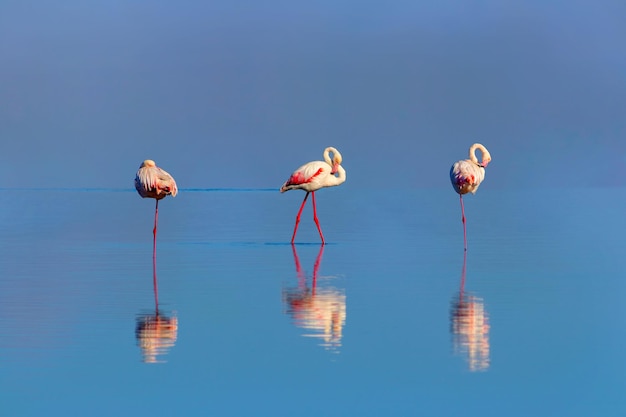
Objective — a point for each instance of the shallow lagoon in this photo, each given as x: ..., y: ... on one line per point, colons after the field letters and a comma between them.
x: 378, y: 322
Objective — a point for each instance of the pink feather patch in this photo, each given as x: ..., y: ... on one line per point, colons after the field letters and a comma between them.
x: 298, y: 178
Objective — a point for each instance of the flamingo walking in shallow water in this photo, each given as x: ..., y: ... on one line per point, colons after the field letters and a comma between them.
x: 311, y: 177
x: 154, y: 182
x: 466, y: 176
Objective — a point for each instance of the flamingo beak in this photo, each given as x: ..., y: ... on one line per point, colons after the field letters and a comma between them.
x: 334, y: 170
x: 484, y: 163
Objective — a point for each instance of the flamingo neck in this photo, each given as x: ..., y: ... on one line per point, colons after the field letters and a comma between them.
x: 327, y: 156
x: 336, y: 156
x: 341, y: 178
x: 483, y: 153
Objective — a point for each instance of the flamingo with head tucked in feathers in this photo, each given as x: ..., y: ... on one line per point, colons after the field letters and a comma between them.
x: 466, y: 176
x: 154, y: 182
x: 311, y: 177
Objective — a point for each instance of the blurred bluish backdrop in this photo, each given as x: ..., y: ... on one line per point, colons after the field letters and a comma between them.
x: 240, y: 93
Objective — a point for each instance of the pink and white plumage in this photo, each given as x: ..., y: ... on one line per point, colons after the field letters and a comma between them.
x: 311, y: 177
x: 466, y: 176
x: 154, y: 182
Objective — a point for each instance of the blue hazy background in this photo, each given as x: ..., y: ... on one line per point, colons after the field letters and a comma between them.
x: 240, y: 93
x: 232, y: 94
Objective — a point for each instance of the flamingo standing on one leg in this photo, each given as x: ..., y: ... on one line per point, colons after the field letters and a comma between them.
x: 466, y: 176
x: 154, y: 182
x: 313, y: 176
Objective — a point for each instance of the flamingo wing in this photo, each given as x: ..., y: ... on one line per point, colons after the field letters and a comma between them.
x: 466, y: 176
x: 308, y: 177
x: 155, y: 182
x: 166, y: 181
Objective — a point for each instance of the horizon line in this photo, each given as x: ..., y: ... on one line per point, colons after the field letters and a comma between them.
x: 123, y: 190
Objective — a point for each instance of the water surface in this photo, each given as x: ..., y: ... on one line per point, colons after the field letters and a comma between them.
x: 389, y: 318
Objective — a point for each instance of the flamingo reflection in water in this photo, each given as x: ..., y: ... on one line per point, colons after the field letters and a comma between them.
x: 319, y: 310
x: 469, y: 324
x: 156, y: 333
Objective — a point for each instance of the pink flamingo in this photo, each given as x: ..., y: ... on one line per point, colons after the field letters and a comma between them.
x: 311, y: 177
x: 466, y: 176
x: 154, y: 182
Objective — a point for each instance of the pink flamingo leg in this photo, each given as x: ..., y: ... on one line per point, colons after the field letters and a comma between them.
x: 156, y: 286
x: 463, y: 219
x: 154, y: 231
x: 154, y: 276
x: 295, y: 229
x: 463, y: 274
x: 319, y: 229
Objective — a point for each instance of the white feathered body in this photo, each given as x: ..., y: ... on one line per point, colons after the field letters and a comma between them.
x: 466, y: 176
x: 313, y: 176
x: 154, y: 182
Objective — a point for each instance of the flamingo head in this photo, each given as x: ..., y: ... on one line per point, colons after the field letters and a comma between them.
x: 485, y: 159
x: 337, y: 159
x: 148, y: 163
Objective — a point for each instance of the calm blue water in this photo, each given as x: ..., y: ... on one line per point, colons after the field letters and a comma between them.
x: 378, y: 322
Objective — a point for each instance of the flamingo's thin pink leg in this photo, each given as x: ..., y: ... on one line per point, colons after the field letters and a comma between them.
x: 463, y: 274
x: 319, y: 229
x: 463, y: 219
x: 156, y: 286
x: 154, y: 277
x: 295, y: 229
x: 154, y: 231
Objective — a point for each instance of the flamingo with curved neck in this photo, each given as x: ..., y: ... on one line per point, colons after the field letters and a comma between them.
x: 466, y: 176
x: 312, y: 176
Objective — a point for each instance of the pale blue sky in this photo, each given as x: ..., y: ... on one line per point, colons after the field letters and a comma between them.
x: 240, y: 93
